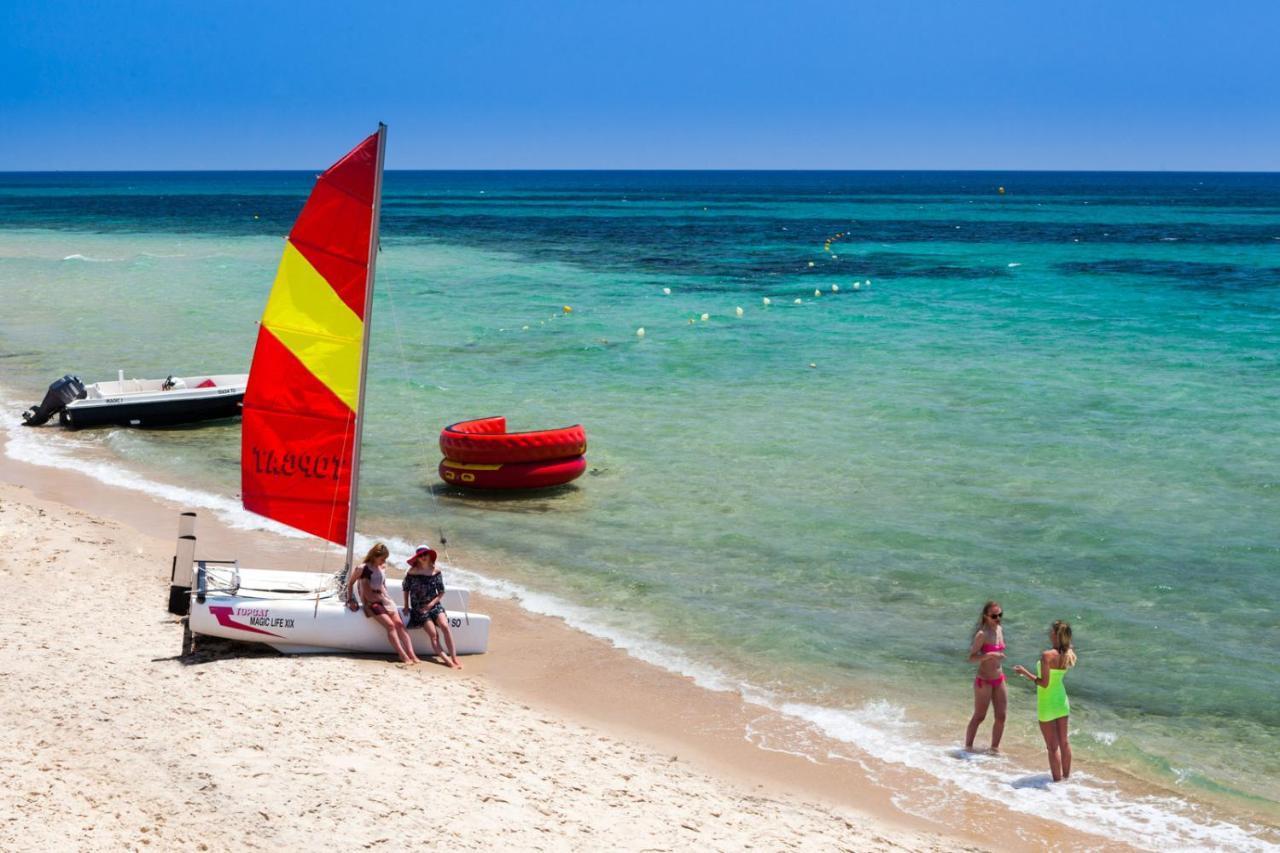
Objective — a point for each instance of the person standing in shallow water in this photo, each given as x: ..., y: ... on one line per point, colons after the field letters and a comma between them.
x: 1052, y: 708
x: 989, y: 688
x: 371, y: 581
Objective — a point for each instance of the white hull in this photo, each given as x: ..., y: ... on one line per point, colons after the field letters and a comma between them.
x: 114, y: 392
x: 301, y: 613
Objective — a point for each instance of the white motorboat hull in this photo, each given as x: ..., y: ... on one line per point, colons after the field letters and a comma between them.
x: 157, y: 402
x: 301, y: 613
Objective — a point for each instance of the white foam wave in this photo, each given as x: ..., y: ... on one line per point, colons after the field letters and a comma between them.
x: 1085, y: 803
x: 879, y: 729
x: 48, y: 449
x: 91, y: 260
x: 1014, y: 264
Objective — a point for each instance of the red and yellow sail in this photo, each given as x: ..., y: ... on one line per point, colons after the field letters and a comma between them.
x: 300, y: 409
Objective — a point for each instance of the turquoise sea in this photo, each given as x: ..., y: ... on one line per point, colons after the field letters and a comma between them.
x: 1065, y: 397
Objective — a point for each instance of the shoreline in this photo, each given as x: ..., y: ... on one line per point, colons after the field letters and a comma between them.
x: 552, y: 669
x: 127, y: 702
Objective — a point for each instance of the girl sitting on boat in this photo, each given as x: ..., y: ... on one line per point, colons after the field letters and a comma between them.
x: 424, y: 597
x: 1052, y: 707
x: 371, y: 581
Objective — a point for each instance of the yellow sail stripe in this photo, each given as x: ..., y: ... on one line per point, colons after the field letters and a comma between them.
x: 309, y: 318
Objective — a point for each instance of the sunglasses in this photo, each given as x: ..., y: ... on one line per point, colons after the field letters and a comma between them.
x: 996, y: 616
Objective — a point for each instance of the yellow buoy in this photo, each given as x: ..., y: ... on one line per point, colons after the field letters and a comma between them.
x: 640, y: 332
x: 738, y: 310
x: 568, y: 309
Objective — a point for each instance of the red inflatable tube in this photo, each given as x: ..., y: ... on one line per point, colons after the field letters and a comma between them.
x: 512, y: 475
x: 486, y: 440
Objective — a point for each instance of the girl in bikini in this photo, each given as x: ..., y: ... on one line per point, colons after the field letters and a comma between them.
x: 1052, y: 707
x: 989, y: 688
x: 424, y: 599
x: 371, y: 581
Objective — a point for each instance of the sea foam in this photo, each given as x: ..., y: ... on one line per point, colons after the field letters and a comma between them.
x: 91, y: 260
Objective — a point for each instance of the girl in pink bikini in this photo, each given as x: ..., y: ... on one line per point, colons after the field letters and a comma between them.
x: 989, y: 688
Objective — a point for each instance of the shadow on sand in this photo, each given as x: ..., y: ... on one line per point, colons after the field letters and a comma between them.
x: 211, y: 649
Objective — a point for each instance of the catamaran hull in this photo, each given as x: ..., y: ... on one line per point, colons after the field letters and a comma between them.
x: 303, y: 627
x: 300, y: 613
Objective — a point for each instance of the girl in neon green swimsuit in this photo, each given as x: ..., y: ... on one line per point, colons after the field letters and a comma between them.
x: 1052, y: 708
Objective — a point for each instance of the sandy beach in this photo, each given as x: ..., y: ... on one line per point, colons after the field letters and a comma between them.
x: 114, y: 741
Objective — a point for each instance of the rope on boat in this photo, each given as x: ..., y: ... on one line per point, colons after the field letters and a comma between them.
x: 404, y: 373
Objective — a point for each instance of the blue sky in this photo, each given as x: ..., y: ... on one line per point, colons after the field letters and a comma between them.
x: 1029, y: 84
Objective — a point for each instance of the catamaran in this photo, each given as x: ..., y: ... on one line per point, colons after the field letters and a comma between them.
x: 300, y: 442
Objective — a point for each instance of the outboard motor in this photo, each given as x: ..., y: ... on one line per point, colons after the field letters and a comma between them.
x: 60, y: 393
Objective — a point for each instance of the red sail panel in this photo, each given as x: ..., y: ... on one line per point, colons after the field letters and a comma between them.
x: 332, y: 231
x: 298, y: 435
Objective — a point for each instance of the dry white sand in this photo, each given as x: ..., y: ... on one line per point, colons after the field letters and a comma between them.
x: 111, y: 741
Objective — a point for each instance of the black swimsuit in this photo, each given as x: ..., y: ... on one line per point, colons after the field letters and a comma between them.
x: 421, y: 589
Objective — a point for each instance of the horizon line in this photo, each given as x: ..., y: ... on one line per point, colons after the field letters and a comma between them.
x: 1057, y: 171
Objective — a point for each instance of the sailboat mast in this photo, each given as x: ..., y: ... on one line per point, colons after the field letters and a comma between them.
x: 364, y: 349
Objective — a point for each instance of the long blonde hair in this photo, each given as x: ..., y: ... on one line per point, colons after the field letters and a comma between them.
x: 375, y: 552
x: 982, y: 617
x: 1061, y: 632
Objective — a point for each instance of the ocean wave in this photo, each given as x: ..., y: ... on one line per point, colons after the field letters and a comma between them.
x: 91, y: 260
x: 879, y: 729
x: 1086, y: 803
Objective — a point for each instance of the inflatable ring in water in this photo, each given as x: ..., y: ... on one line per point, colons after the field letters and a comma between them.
x: 540, y: 474
x: 486, y: 440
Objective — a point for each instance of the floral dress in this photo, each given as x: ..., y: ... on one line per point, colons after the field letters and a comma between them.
x: 422, y: 589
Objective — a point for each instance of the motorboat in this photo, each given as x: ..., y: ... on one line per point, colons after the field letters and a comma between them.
x: 171, y: 401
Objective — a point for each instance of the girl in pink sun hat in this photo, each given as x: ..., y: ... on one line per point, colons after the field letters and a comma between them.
x: 424, y: 599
